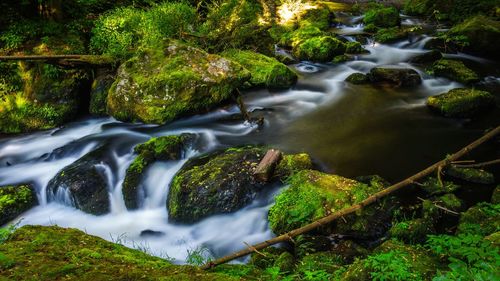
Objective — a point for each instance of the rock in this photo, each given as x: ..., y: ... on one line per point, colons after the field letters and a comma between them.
x: 454, y: 70
x: 219, y: 182
x: 266, y: 71
x: 14, y: 200
x: 382, y: 17
x: 291, y: 164
x: 461, y: 103
x: 354, y: 47
x: 320, y: 49
x: 99, y: 92
x: 482, y: 219
x: 427, y: 57
x: 273, y: 257
x: 341, y: 59
x: 432, y: 186
x: 84, y: 183
x: 495, y: 197
x: 313, y: 195
x: 159, y: 85
x: 390, y: 35
x: 152, y: 233
x: 412, y: 231
x: 471, y: 175
x: 370, y: 28
x: 400, y: 77
x: 358, y: 79
x: 481, y: 33
x: 156, y: 149
x: 307, y: 244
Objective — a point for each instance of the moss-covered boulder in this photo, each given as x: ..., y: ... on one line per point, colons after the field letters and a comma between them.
x: 319, y: 48
x: 481, y: 33
x: 161, y: 84
x: 454, y: 70
x: 14, y: 200
x: 471, y: 175
x: 354, y: 47
x: 273, y: 257
x: 358, y: 79
x: 313, y: 195
x: 291, y: 164
x: 390, y: 35
x: 54, y: 253
x: 156, y: 149
x: 39, y: 96
x: 266, y: 71
x: 432, y: 186
x: 342, y: 58
x: 427, y: 57
x: 394, y: 75
x: 99, y: 92
x: 461, y: 103
x: 382, y: 16
x: 412, y: 231
x: 83, y: 183
x: 482, y: 219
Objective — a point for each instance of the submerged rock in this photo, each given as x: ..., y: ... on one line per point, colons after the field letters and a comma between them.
x: 266, y: 71
x: 461, y: 103
x: 400, y: 77
x: 14, y: 200
x: 358, y: 79
x: 161, y: 84
x: 313, y: 195
x: 454, y: 70
x: 156, y: 149
x: 83, y: 183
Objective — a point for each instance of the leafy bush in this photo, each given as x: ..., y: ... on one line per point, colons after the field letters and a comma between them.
x: 393, y: 265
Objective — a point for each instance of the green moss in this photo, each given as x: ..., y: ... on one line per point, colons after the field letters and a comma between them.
x: 382, y: 17
x: 54, y: 253
x: 323, y: 262
x: 319, y: 17
x: 461, y: 103
x: 357, y: 78
x: 495, y: 197
x: 454, y: 70
x: 389, y: 35
x: 291, y: 164
x: 432, y: 186
x: 412, y: 231
x: 370, y: 28
x: 341, y: 59
x: 99, y: 94
x: 482, y: 219
x: 265, y: 71
x: 15, y: 200
x: 451, y: 202
x: 354, y: 47
x: 321, y: 48
x: 313, y: 195
x: 471, y: 175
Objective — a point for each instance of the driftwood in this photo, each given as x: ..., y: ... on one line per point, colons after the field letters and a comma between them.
x: 370, y: 200
x: 265, y: 169
x: 65, y: 60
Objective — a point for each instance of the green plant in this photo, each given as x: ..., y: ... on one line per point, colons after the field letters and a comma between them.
x: 392, y: 265
x: 198, y: 256
x: 6, y: 232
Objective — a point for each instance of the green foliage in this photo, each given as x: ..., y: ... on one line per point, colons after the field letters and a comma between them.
x: 482, y: 219
x: 455, y: 10
x: 392, y: 265
x: 6, y: 232
x: 122, y: 31
x: 198, y: 256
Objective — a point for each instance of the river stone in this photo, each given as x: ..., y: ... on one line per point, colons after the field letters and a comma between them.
x: 313, y: 195
x: 357, y: 79
x: 86, y: 184
x: 320, y: 49
x: 156, y: 149
x: 161, y: 84
x: 398, y: 76
x: 461, y: 103
x: 14, y: 200
x: 454, y: 70
x: 219, y: 182
x: 427, y: 57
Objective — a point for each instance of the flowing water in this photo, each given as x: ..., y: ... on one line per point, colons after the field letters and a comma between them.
x: 348, y: 129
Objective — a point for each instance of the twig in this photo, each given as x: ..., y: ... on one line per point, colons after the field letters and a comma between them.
x: 479, y: 165
x: 441, y: 207
x: 255, y: 250
x: 349, y: 210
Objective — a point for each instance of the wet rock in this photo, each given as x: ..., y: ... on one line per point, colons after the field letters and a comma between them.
x: 354, y: 47
x: 313, y: 195
x: 482, y: 219
x: 427, y: 57
x: 159, y: 85
x: 400, y: 77
x: 265, y: 71
x: 320, y: 49
x: 152, y: 233
x: 156, y: 149
x: 14, y: 200
x: 461, y: 103
x: 84, y: 182
x: 99, y: 92
x: 471, y: 175
x: 454, y: 70
x: 358, y: 79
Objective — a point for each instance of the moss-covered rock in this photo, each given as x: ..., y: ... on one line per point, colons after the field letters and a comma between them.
x: 432, y: 186
x: 354, y: 47
x: 412, y: 231
x: 54, y: 253
x: 461, y: 103
x: 454, y: 70
x: 83, y: 183
x: 390, y: 35
x: 14, y: 200
x: 394, y: 75
x: 451, y: 202
x: 161, y: 84
x: 291, y: 164
x: 382, y: 17
x: 358, y: 79
x: 370, y: 28
x: 320, y: 48
x: 156, y: 149
x: 495, y: 197
x: 482, y: 219
x: 427, y: 57
x: 471, y: 175
x: 99, y: 93
x: 342, y: 58
x: 265, y: 71
x: 313, y: 195
x: 273, y: 257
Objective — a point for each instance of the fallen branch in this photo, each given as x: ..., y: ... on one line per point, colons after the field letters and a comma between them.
x: 63, y: 59
x: 477, y: 165
x: 372, y: 199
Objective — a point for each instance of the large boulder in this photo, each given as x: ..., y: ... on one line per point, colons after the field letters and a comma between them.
x: 427, y: 57
x: 14, y: 200
x: 454, y: 70
x: 83, y: 183
x: 461, y: 103
x: 381, y: 16
x: 313, y: 195
x: 319, y: 48
x: 156, y: 149
x: 164, y: 83
x: 395, y: 75
x: 266, y: 71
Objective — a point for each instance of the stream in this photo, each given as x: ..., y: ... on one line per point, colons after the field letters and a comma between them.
x: 348, y: 129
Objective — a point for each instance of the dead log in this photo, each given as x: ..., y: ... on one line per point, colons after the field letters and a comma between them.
x: 349, y: 210
x: 64, y: 60
x: 265, y: 169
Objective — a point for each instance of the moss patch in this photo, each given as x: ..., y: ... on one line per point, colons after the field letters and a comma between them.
x: 461, y: 103
x: 471, y: 175
x: 482, y: 219
x: 320, y: 48
x: 357, y: 79
x: 382, y: 16
x: 454, y: 70
x: 15, y: 200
